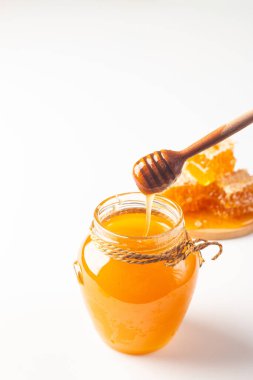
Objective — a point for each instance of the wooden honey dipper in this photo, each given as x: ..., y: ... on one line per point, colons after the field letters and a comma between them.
x: 156, y: 171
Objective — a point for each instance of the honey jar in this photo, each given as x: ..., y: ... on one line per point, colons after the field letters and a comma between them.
x: 136, y: 305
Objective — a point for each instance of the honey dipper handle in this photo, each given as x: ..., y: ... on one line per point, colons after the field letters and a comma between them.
x: 218, y: 135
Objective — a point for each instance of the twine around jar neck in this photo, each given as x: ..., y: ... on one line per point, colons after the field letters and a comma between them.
x: 180, y: 251
x: 170, y: 247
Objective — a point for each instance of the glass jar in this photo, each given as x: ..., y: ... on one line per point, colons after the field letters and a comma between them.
x: 135, y: 308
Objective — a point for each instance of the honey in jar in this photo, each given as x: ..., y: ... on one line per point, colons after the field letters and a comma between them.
x: 136, y: 308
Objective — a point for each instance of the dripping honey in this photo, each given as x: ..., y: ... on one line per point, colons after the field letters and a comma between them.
x: 149, y: 202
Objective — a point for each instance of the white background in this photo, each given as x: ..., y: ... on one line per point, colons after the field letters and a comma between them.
x: 86, y: 88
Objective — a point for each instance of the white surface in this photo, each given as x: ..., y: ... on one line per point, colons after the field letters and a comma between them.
x: 85, y: 84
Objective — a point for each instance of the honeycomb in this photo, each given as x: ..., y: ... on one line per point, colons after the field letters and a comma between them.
x: 213, y: 163
x: 209, y: 182
x: 188, y: 193
x: 233, y: 195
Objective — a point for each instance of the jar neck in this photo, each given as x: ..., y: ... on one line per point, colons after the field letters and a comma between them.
x: 136, y: 202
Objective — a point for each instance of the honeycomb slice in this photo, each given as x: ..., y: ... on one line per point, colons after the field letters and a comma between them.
x: 232, y: 195
x: 188, y: 193
x: 208, y: 183
x: 213, y: 163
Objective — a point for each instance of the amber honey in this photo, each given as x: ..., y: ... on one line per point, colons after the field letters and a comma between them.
x: 207, y: 220
x: 136, y: 308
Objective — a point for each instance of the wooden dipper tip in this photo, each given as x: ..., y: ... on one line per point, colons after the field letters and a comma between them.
x: 156, y: 171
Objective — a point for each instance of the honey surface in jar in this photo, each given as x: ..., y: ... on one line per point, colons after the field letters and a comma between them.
x: 212, y: 199
x: 136, y: 308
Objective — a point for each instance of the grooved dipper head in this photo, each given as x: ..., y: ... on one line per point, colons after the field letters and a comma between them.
x: 156, y: 171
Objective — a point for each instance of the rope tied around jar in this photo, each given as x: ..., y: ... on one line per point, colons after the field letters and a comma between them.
x: 170, y: 257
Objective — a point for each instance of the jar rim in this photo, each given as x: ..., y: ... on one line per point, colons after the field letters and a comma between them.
x: 167, y: 203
